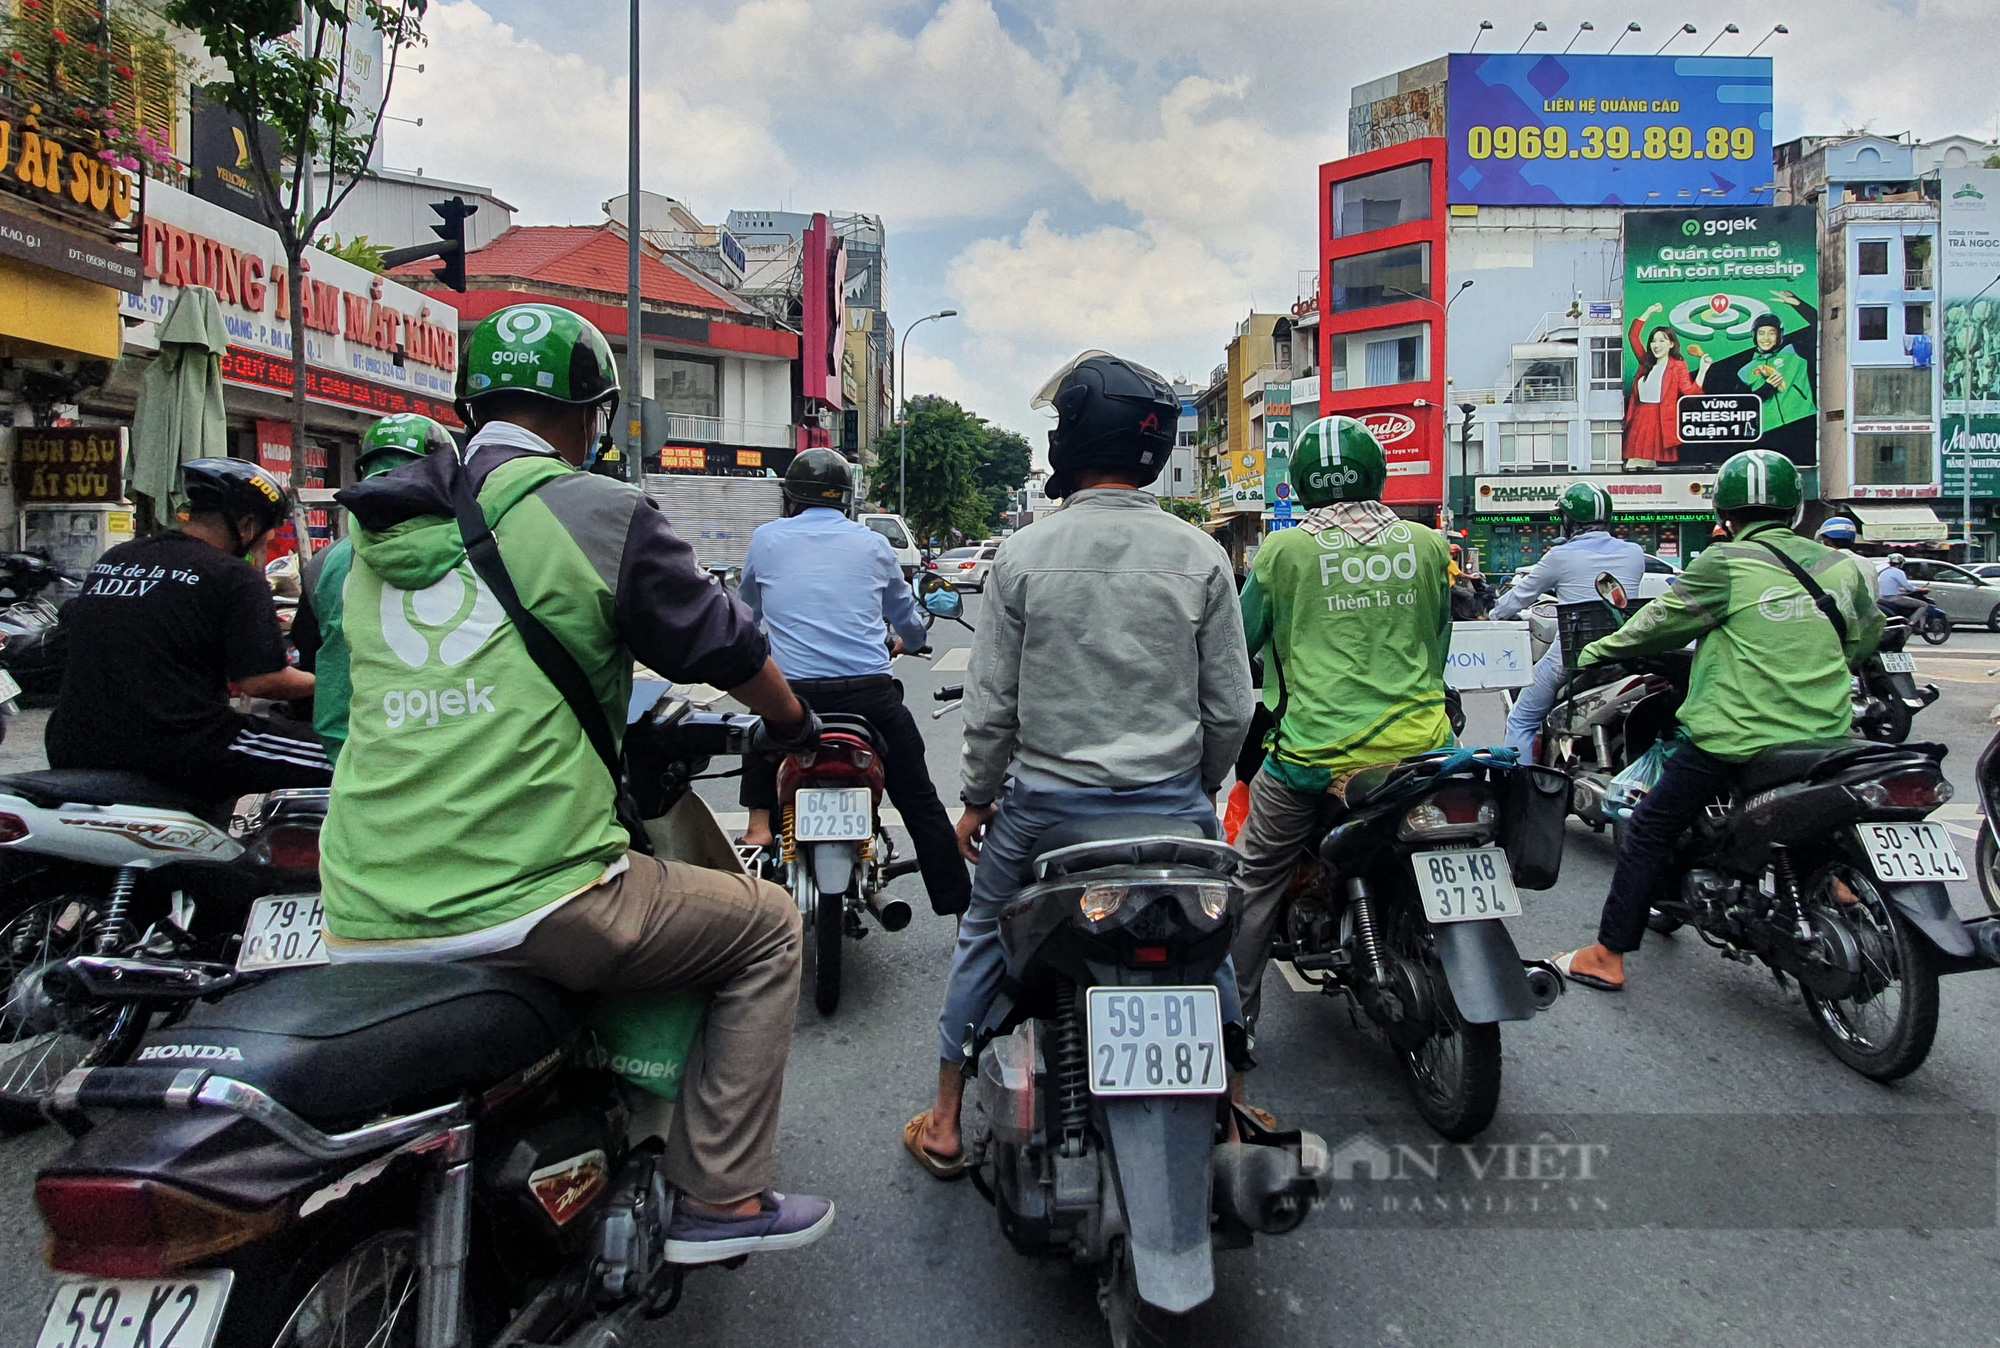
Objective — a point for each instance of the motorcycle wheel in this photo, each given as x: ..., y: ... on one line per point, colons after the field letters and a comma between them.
x: 1937, y: 629
x: 828, y: 918
x: 1886, y: 1032
x: 41, y: 1040
x: 367, y: 1296
x: 1135, y: 1323
x: 1892, y: 726
x: 1454, y: 1075
x: 1657, y: 921
x: 1987, y: 860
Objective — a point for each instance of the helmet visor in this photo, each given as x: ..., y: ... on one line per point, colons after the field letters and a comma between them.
x: 1046, y: 395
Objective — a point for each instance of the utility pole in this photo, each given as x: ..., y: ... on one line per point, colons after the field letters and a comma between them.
x: 903, y: 416
x: 635, y: 388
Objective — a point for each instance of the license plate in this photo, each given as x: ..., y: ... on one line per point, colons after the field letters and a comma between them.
x: 1466, y: 886
x: 9, y: 689
x: 136, y: 1312
x: 286, y: 931
x: 1910, y: 851
x: 1897, y: 662
x: 1156, y: 1041
x: 844, y: 815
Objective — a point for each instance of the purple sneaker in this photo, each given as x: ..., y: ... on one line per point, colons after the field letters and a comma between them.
x: 786, y: 1223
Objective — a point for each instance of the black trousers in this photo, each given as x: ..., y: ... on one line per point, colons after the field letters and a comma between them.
x: 1690, y: 780
x: 268, y: 753
x: 907, y: 778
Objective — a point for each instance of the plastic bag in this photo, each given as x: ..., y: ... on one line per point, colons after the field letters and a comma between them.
x: 1237, y: 812
x: 1626, y: 790
x: 645, y: 1037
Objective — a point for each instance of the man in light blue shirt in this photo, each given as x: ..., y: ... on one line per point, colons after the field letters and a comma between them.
x: 1568, y: 573
x: 823, y: 585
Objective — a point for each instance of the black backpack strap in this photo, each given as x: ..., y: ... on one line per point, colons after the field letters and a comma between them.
x: 1823, y: 601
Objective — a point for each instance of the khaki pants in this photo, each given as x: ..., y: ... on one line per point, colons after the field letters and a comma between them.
x: 664, y: 926
x: 1280, y: 822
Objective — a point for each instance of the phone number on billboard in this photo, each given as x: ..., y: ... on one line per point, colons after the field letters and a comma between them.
x: 1609, y: 142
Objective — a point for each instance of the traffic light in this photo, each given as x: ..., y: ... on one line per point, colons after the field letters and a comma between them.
x: 454, y: 214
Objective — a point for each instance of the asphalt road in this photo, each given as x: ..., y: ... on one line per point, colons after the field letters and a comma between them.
x: 916, y: 1262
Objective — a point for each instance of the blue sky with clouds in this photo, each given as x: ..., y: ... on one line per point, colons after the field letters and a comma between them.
x: 1132, y: 174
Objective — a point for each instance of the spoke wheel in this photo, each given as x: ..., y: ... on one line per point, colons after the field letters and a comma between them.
x: 1135, y: 1323
x: 368, y: 1299
x: 41, y: 1039
x: 1884, y: 1031
x: 824, y: 916
x: 1988, y: 863
x: 1454, y: 1075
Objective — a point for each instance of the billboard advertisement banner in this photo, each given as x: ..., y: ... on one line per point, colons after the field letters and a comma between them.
x: 1721, y: 321
x: 1973, y: 437
x: 1536, y: 129
x: 1277, y: 439
x: 1970, y: 288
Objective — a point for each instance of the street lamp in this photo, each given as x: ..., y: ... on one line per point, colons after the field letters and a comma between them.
x: 1444, y: 347
x: 1539, y: 27
x: 1629, y: 28
x: 1485, y: 27
x: 1777, y: 30
x: 1585, y: 27
x: 1727, y: 29
x: 1684, y: 28
x: 903, y: 417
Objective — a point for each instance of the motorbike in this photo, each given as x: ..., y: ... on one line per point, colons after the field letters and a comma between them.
x: 110, y: 864
x: 430, y: 1155
x: 32, y: 593
x: 1886, y: 695
x: 1931, y: 623
x: 1401, y: 910
x: 1098, y: 1125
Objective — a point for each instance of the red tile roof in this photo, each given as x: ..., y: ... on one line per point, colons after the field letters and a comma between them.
x: 586, y: 257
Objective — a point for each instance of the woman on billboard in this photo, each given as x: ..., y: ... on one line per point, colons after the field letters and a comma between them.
x: 1652, y: 408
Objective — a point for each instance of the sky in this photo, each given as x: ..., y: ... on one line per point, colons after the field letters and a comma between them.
x: 1136, y: 175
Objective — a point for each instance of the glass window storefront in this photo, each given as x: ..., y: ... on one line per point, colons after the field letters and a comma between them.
x: 1892, y: 460
x: 686, y: 386
x: 1371, y: 280
x: 1395, y: 196
x: 1891, y: 393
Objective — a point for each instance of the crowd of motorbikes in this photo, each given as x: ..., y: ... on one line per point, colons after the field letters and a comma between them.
x: 268, y: 1148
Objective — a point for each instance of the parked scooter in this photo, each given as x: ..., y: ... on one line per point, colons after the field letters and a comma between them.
x: 32, y: 593
x: 1886, y: 695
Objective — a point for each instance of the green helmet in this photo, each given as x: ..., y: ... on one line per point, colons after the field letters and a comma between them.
x: 1757, y: 478
x: 1337, y: 459
x: 396, y: 440
x: 1584, y: 503
x: 538, y: 349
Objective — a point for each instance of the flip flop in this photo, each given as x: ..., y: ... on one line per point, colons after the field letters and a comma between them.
x: 1561, y: 964
x: 941, y: 1167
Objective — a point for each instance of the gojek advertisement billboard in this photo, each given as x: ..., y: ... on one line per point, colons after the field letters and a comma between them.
x: 1722, y: 336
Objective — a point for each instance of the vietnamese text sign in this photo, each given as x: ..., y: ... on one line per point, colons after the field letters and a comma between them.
x: 1970, y: 287
x: 70, y: 465
x: 1631, y: 493
x: 1489, y: 655
x: 1721, y: 302
x: 1975, y: 436
x: 1721, y: 418
x: 1541, y: 129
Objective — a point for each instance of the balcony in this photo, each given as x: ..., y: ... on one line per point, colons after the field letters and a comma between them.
x: 1881, y: 212
x: 1918, y: 279
x: 728, y: 431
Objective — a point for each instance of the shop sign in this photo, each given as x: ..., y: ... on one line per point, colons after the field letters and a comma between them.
x: 1921, y: 491
x: 58, y: 249
x: 69, y: 465
x: 712, y: 460
x: 1631, y: 493
x: 1721, y: 418
x: 48, y: 165
x: 253, y: 369
x: 1973, y: 438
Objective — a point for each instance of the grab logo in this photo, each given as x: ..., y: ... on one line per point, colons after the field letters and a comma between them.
x: 1389, y: 427
x: 1781, y: 604
x: 462, y: 614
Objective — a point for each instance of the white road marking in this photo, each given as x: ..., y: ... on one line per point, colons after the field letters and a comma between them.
x: 959, y: 657
x: 1964, y: 810
x: 1961, y: 830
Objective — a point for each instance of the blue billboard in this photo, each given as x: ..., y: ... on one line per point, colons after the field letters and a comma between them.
x: 1536, y: 129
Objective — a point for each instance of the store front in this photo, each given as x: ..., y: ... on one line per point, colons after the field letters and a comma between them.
x: 1514, y: 520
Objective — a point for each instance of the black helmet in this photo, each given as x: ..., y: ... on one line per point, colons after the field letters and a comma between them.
x: 1110, y: 413
x: 233, y: 488
x: 820, y: 477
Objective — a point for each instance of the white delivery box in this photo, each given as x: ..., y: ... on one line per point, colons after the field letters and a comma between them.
x: 1489, y: 655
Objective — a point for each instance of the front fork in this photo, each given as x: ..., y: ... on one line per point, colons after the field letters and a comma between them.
x: 444, y: 1240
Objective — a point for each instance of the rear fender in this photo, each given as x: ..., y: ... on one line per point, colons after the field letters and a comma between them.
x: 833, y: 866
x: 1163, y: 1146
x: 1929, y: 909
x: 1484, y: 971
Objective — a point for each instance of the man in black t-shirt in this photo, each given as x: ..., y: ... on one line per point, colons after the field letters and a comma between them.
x: 164, y: 625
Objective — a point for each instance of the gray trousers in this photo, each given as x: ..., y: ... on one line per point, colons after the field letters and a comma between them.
x: 1280, y: 822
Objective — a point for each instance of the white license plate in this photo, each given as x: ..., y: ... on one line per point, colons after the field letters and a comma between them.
x: 1898, y: 662
x: 1902, y: 852
x: 285, y: 931
x: 1156, y: 1041
x: 843, y: 815
x: 1466, y: 886
x: 136, y: 1312
x: 9, y: 688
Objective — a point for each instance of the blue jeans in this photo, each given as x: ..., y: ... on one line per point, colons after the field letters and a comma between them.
x: 1026, y: 812
x: 1531, y: 708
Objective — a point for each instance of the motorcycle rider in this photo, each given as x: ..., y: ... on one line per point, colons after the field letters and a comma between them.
x: 472, y: 819
x: 386, y: 446
x: 162, y: 628
x: 1108, y: 677
x: 1772, y: 667
x: 822, y: 585
x: 1568, y: 571
x: 1899, y: 596
x: 1353, y: 612
x: 1837, y: 531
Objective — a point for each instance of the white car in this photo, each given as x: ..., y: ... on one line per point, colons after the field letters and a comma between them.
x: 892, y: 528
x: 1659, y: 577
x: 966, y: 567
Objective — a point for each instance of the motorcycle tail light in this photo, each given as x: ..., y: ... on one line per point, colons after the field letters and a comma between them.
x: 292, y: 849
x: 1100, y: 903
x: 864, y: 759
x: 1462, y: 811
x: 104, y: 1227
x: 1149, y: 954
x: 1907, y: 791
x: 13, y: 828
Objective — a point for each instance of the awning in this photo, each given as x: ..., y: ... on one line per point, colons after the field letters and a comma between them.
x: 1899, y: 524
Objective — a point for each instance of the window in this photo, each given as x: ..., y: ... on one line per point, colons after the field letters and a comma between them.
x: 1607, y: 363
x: 1393, y: 361
x: 1393, y: 197
x: 1338, y: 378
x: 1378, y: 357
x: 1892, y: 460
x: 1391, y: 276
x: 1895, y: 394
x: 1917, y: 318
x: 1529, y: 446
x: 1871, y: 322
x: 891, y: 529
x: 1186, y: 440
x: 1916, y: 262
x: 686, y: 386
x: 1607, y: 444
x: 1874, y: 255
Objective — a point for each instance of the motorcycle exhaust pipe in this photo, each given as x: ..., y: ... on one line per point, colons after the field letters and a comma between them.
x: 893, y: 914
x: 1262, y: 1187
x: 1544, y: 983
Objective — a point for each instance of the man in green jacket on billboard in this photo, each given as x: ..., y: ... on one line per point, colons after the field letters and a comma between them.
x: 1772, y: 668
x: 471, y: 817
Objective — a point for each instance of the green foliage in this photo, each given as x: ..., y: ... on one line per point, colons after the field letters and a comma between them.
x: 104, y: 77
x: 960, y: 470
x: 358, y: 250
x: 1194, y: 512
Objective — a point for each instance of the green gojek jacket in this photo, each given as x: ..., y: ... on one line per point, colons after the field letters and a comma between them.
x: 468, y: 795
x: 1770, y: 669
x: 325, y: 579
x: 1355, y: 636
x: 1794, y: 400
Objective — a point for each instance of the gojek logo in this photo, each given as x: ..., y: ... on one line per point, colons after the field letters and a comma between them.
x: 457, y: 614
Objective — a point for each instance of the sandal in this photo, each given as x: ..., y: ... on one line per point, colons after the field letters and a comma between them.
x: 941, y: 1167
x: 1561, y: 964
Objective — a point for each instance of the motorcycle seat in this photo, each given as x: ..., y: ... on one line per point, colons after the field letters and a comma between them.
x: 342, y: 1043
x: 1798, y: 762
x: 94, y: 786
x: 1366, y: 784
x: 1108, y: 828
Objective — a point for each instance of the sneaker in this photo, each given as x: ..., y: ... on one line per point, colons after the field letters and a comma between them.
x: 787, y: 1222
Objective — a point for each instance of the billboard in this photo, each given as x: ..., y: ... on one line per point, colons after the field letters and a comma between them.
x: 1970, y: 288
x: 1722, y: 339
x: 1535, y: 129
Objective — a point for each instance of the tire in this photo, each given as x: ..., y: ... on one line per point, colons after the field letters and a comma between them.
x: 1660, y: 923
x: 1937, y: 629
x: 1993, y: 619
x: 1134, y: 1323
x: 1987, y: 859
x: 829, y: 917
x: 1892, y: 726
x: 1883, y: 1046
x: 375, y: 1283
x: 40, y: 1040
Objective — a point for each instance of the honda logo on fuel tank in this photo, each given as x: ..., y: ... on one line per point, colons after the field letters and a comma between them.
x: 1389, y: 427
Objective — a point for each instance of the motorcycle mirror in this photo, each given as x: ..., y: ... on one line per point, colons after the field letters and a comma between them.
x: 1610, y: 591
x: 945, y: 604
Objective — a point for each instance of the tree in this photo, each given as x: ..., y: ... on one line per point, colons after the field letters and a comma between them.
x: 1003, y: 470
x: 290, y: 76
x: 1194, y: 512
x: 948, y: 447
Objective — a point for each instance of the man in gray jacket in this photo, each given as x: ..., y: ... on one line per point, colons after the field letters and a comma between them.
x: 1109, y: 676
